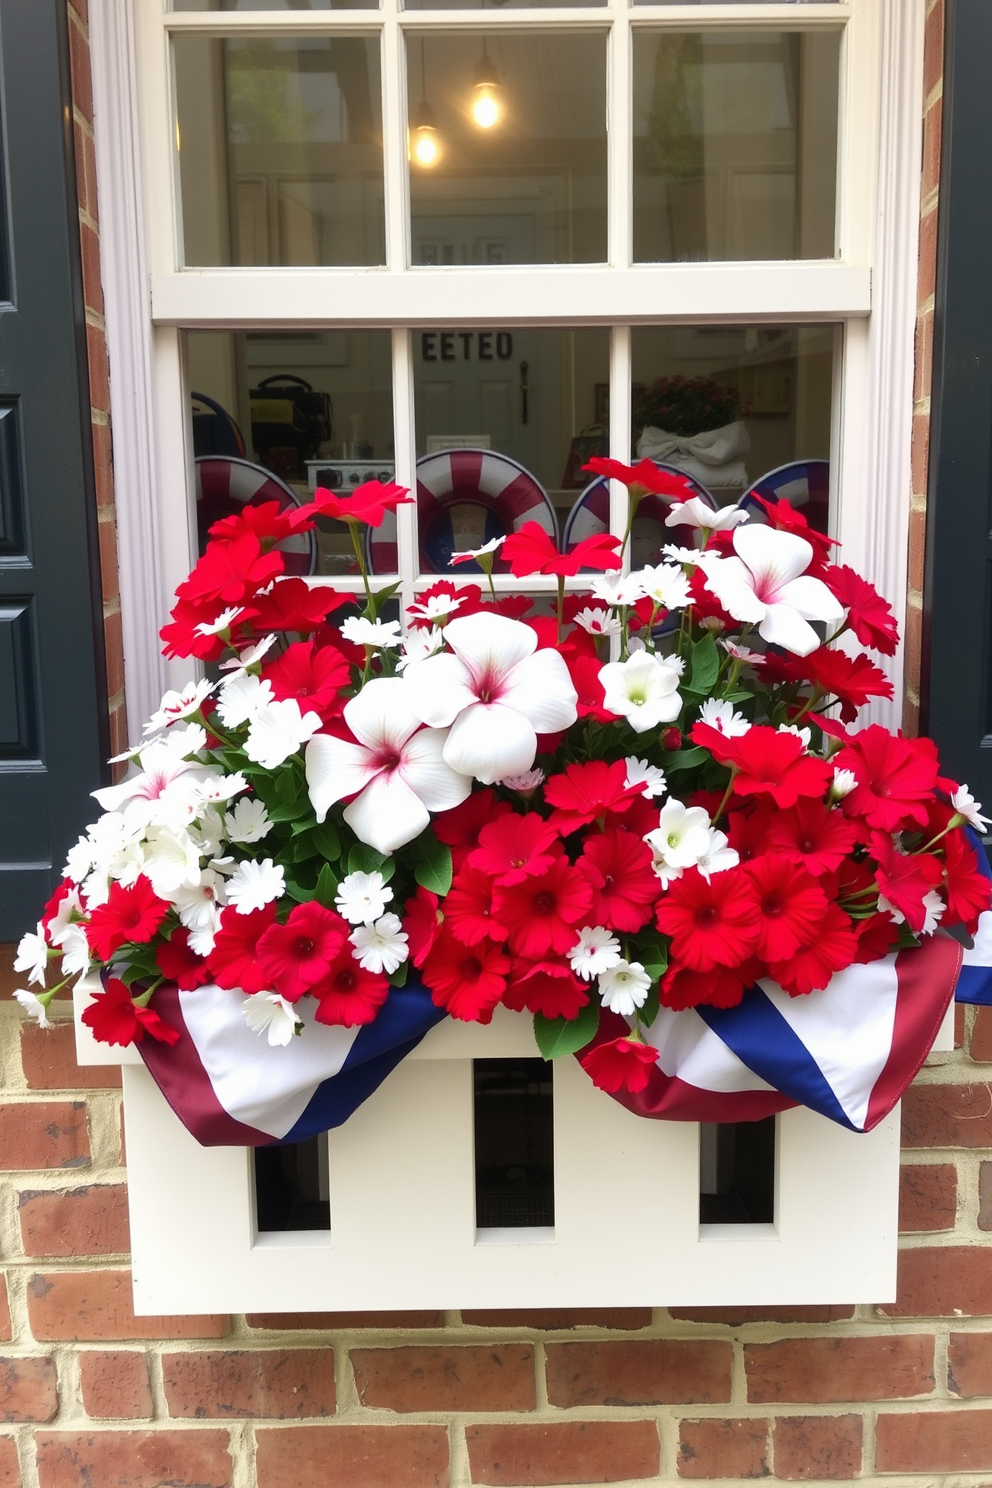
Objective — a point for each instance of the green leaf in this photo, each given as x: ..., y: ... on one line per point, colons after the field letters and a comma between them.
x: 398, y: 977
x: 649, y: 1011
x: 651, y: 949
x: 558, y: 1036
x: 365, y: 859
x: 684, y: 759
x: 299, y: 891
x: 327, y: 887
x: 327, y: 841
x: 705, y: 665
x: 381, y: 598
x: 433, y: 872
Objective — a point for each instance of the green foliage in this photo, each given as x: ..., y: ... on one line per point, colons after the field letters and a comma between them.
x: 433, y: 871
x: 684, y: 759
x: 326, y: 887
x: 365, y: 859
x: 558, y: 1036
x: 705, y: 666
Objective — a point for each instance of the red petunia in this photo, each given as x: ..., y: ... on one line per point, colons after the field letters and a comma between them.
x: 584, y: 672
x: 966, y: 888
x: 791, y: 906
x: 541, y: 914
x: 180, y: 636
x: 588, y: 792
x: 550, y: 988
x: 293, y: 605
x: 295, y: 956
x: 468, y: 981
x: 877, y: 936
x: 129, y: 914
x: 811, y: 833
x: 810, y: 969
x: 623, y: 1064
x: 682, y: 988
x: 232, y: 571
x: 422, y: 923
x: 115, y: 1019
x: 179, y: 964
x: 461, y: 827
x: 367, y: 503
x: 896, y: 778
x: 530, y: 550
x: 904, y: 878
x: 711, y: 924
x: 868, y: 614
x: 624, y: 884
x: 513, y: 848
x: 644, y: 478
x: 748, y: 829
x: 852, y: 680
x: 314, y: 676
x: 469, y: 910
x: 767, y: 763
x: 348, y: 994
x: 234, y: 961
x: 266, y: 520
x: 469, y: 598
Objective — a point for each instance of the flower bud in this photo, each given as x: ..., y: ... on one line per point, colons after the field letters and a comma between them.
x: 671, y: 738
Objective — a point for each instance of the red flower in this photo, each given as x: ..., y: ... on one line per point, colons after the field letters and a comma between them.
x: 584, y: 672
x: 711, y: 924
x: 422, y: 923
x: 468, y: 908
x: 293, y: 605
x: 295, y: 956
x: 115, y: 1019
x: 852, y: 680
x: 747, y: 829
x: 312, y: 675
x: 624, y: 884
x: 367, y: 503
x: 588, y: 792
x: 266, y: 520
x: 868, y: 614
x: 783, y: 514
x: 469, y: 595
x: 234, y: 961
x: 130, y: 914
x: 767, y: 763
x: 348, y: 994
x: 966, y: 888
x: 682, y: 988
x: 644, y: 478
x: 896, y: 778
x: 530, y: 550
x: 513, y: 848
x: 540, y: 914
x: 810, y: 833
x: 810, y: 969
x: 181, y: 637
x: 51, y: 909
x: 466, y: 980
x: 176, y: 961
x: 231, y: 571
x: 550, y: 988
x: 791, y: 906
x: 876, y: 936
x: 904, y: 878
x: 513, y: 606
x: 461, y: 827
x: 622, y: 1064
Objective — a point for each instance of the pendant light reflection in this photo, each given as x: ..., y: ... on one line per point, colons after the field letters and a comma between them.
x: 425, y: 139
x: 486, y: 107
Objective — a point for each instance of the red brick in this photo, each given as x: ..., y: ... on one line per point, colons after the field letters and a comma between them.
x: 89, y: 244
x: 947, y: 1116
x: 353, y: 1456
x: 532, y: 1456
x: 10, y: 1472
x: 6, y: 1329
x: 920, y: 453
x: 917, y: 542
x: 969, y: 1364
x: 83, y: 186
x: 928, y: 1194
x: 933, y: 50
x: 113, y: 641
x: 927, y: 269
x: 492, y: 1378
x: 115, y: 1385
x: 99, y: 368
x: 923, y: 354
x: 134, y: 1459
x: 934, y: 1441
x: 119, y: 740
x: 92, y: 1306
x: 29, y: 1389
x: 103, y: 465
x: 109, y: 574
x: 981, y: 1036
x: 75, y: 1221
x: 959, y: 1025
x: 736, y: 1317
x: 48, y: 1058
x: 44, y: 1134
x: 653, y: 1372
x: 723, y: 1449
x: 822, y: 1370
x: 558, y: 1319
x: 82, y: 94
x: 288, y: 1322
x: 282, y: 1384
x: 932, y: 129
x: 954, y: 1280
x: 985, y: 1196
x: 817, y: 1447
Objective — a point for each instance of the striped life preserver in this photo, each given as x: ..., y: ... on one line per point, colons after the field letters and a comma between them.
x: 591, y: 515
x: 507, y: 494
x: 805, y: 484
x: 225, y: 484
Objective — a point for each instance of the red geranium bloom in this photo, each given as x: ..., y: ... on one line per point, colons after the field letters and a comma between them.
x: 783, y: 514
x: 513, y: 848
x: 181, y: 638
x: 540, y: 914
x: 266, y: 520
x: 966, y: 888
x: 422, y: 924
x: 645, y: 478
x: 623, y: 1064
x: 791, y: 906
x: 231, y: 571
x: 748, y: 829
x: 896, y: 778
x: 767, y: 763
x: 587, y: 793
x: 348, y: 994
x: 461, y: 827
x: 711, y: 924
x: 810, y: 969
x: 550, y: 988
x: 233, y: 961
x: 868, y: 614
x: 176, y: 961
x: 682, y: 988
x: 293, y: 605
x: 584, y: 672
x: 904, y: 878
x: 312, y: 675
x: 850, y: 679
x: 115, y: 1019
x: 624, y: 884
x: 876, y: 936
x: 469, y: 910
x: 295, y: 956
x: 468, y: 595
x: 130, y: 914
x: 811, y: 833
x: 468, y: 981
x: 367, y: 503
x: 530, y: 550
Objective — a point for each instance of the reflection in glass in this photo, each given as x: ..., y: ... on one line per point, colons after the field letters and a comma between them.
x: 274, y: 4
x: 309, y: 408
x: 280, y: 150
x: 735, y: 144
x: 520, y: 175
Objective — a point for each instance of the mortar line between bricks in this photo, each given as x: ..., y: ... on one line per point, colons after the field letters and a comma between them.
x: 242, y: 1450
x: 541, y: 1401
x: 738, y: 1371
x: 459, y: 1467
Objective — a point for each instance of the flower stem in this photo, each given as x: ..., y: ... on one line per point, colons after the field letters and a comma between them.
x: 726, y: 796
x: 356, y: 544
x: 561, y: 605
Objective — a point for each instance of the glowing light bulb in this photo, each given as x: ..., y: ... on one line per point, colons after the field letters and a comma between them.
x: 485, y: 106
x: 425, y: 144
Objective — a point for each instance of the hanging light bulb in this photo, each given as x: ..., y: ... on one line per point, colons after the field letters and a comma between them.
x: 487, y: 109
x: 425, y: 145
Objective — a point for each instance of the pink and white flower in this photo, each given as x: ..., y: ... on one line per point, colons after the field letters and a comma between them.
x: 381, y: 946
x: 177, y: 705
x: 598, y: 622
x: 723, y: 717
x: 596, y: 950
x: 766, y: 585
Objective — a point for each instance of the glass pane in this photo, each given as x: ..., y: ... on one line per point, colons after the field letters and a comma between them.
x: 274, y: 5
x: 275, y: 414
x: 508, y: 148
x: 735, y: 144
x: 738, y: 408
x: 505, y: 420
x: 737, y: 1172
x: 280, y: 150
x: 514, y: 1144
x: 292, y: 1186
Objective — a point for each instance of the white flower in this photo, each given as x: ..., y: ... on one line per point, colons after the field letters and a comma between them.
x: 32, y: 1006
x: 396, y: 770
x: 209, y: 832
x: 624, y: 987
x: 643, y: 689
x: 933, y: 904
x: 177, y: 705
x: 675, y: 554
x: 170, y: 860
x: 248, y: 822
x: 250, y: 656
x: 242, y: 698
x: 492, y: 546
x: 381, y: 634
x: 75, y: 952
x: 199, y: 905
x: 723, y: 718
x: 166, y: 783
x: 498, y: 692
x: 743, y: 653
x: 278, y: 732
x: 696, y: 513
x: 185, y: 739
x: 32, y: 955
x: 617, y: 589
x: 595, y: 951
x: 843, y: 784
x: 804, y: 735
x: 639, y: 772
x: 216, y: 787
x: 681, y: 837
x: 766, y: 585
x: 267, y: 1012
x: 718, y: 857
x: 420, y: 644
x: 62, y: 919
x: 435, y: 606
x: 965, y: 805
x: 528, y: 781
x: 254, y: 884
x: 665, y: 585
x: 598, y: 622
x: 381, y: 946
x: 362, y: 897
x: 224, y: 621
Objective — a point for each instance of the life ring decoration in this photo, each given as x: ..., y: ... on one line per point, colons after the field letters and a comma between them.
x: 591, y: 515
x: 805, y: 484
x: 225, y: 485
x: 465, y: 498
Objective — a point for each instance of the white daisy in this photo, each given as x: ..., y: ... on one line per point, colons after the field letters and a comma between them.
x: 278, y: 731
x: 595, y: 951
x: 420, y: 644
x: 965, y: 805
x: 676, y: 554
x: 242, y: 698
x: 718, y: 857
x: 435, y: 606
x: 843, y: 784
x: 248, y: 822
x: 624, y: 987
x: 681, y: 837
x: 639, y: 772
x: 224, y: 621
x: 722, y: 716
x: 617, y: 589
x: 362, y: 897
x: 598, y: 622
x: 381, y: 946
x: 250, y: 656
x: 381, y: 634
x: 267, y: 1012
x: 177, y: 705
x: 804, y: 735
x: 254, y: 884
x: 75, y: 952
x: 492, y: 546
x: 665, y: 585
x: 32, y: 955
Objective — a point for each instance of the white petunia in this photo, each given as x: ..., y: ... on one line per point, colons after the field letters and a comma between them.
x: 722, y: 717
x: 216, y: 788
x: 665, y: 585
x: 250, y: 656
x: 675, y: 554
x: 492, y: 546
x: 279, y: 731
x: 680, y: 839
x: 766, y: 584
x: 650, y: 777
x: 177, y: 705
x: 643, y: 689
x: 267, y: 1012
x: 32, y: 955
x: 420, y: 644
x: 844, y: 782
x: 718, y: 857
x: 526, y: 783
x: 170, y: 860
x: 697, y: 513
x: 595, y: 951
x: 362, y: 897
x: 75, y: 952
x: 381, y: 634
x: 381, y: 946
x: 224, y: 621
x: 965, y: 805
x: 33, y: 1006
x: 598, y: 622
x: 255, y: 884
x: 624, y: 987
x: 248, y: 822
x: 242, y: 697
x: 435, y: 606
x: 198, y: 905
x: 617, y: 589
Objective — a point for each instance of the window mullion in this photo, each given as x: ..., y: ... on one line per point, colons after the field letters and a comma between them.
x: 404, y: 434
x: 619, y: 422
x: 394, y: 131
x: 618, y: 117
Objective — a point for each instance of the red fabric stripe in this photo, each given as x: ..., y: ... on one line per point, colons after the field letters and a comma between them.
x: 466, y: 473
x: 523, y: 497
x: 927, y: 978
